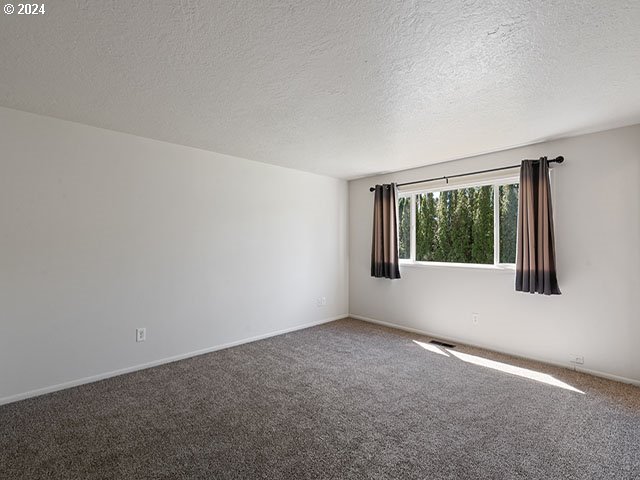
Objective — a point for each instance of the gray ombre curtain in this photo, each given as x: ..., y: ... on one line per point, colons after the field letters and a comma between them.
x: 536, y: 256
x: 384, y: 246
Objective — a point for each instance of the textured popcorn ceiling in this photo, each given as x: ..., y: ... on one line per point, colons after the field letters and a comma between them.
x: 344, y: 88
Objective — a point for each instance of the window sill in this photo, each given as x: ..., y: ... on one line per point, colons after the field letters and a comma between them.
x: 507, y: 268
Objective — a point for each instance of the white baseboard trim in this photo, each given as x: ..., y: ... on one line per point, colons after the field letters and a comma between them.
x: 101, y: 376
x: 596, y: 373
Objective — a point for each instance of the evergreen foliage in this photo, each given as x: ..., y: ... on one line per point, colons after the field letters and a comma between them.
x: 426, y: 226
x: 404, y: 227
x: 443, y: 227
x: 508, y: 222
x: 482, y: 249
x: 461, y: 227
x: 457, y: 225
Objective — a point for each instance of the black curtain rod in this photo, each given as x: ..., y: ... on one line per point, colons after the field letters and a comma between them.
x: 559, y: 159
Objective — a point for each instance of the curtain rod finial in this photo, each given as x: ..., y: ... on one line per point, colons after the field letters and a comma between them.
x: 560, y: 159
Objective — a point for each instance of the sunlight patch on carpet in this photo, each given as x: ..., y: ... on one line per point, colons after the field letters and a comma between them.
x: 431, y: 348
x: 513, y: 370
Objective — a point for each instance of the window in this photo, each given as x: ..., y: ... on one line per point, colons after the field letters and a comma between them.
x: 466, y: 225
x: 508, y: 198
x: 404, y: 227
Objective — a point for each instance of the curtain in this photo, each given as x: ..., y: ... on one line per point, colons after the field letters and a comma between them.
x: 535, y: 259
x: 384, y: 246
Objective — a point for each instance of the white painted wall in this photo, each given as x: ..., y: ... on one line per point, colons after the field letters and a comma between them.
x: 597, y: 215
x: 103, y: 232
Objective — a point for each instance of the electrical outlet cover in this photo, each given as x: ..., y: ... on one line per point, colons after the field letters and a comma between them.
x: 141, y: 334
x: 577, y: 359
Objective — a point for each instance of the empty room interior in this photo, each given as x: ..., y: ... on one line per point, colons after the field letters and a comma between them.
x: 320, y: 240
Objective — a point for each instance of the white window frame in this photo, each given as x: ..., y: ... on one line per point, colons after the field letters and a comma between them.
x: 496, y: 183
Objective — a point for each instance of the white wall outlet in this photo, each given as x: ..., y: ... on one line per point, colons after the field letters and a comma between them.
x: 141, y: 334
x: 576, y: 359
x: 323, y: 301
x: 474, y: 318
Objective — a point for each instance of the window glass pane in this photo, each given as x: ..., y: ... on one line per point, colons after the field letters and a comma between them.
x: 482, y: 207
x: 508, y: 222
x: 404, y: 227
x: 426, y: 226
x: 455, y: 226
